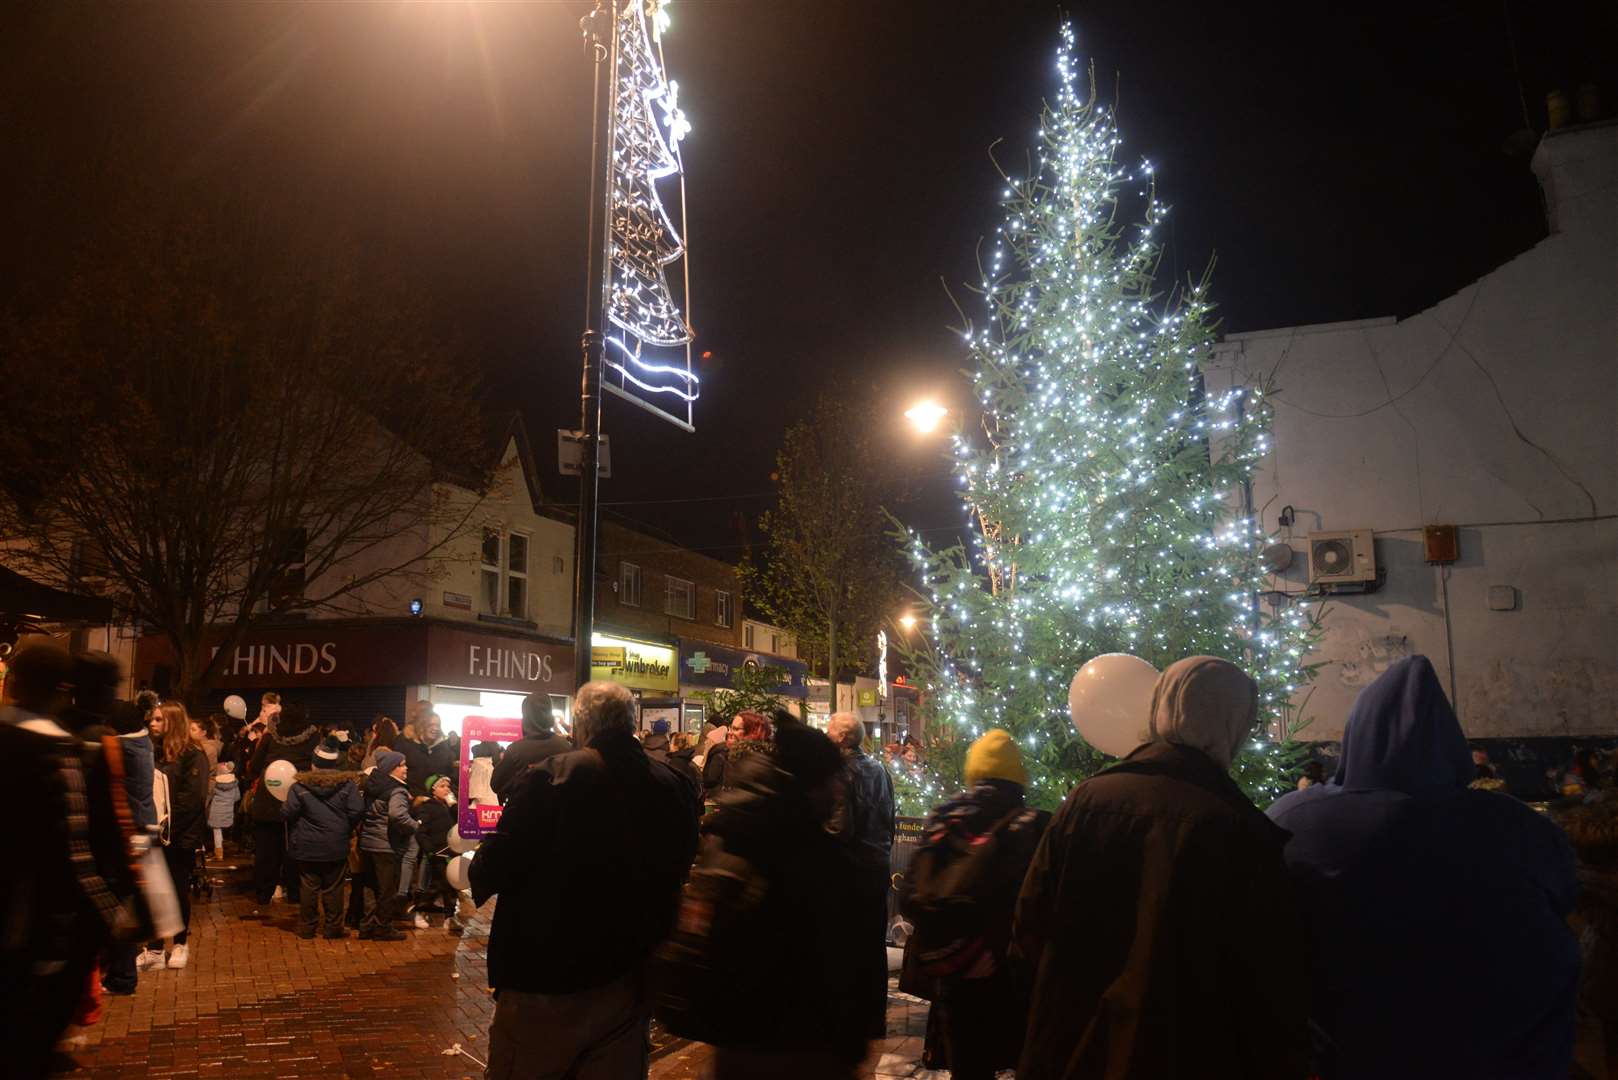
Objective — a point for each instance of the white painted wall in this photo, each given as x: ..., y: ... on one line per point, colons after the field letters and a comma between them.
x: 1495, y: 410
x: 454, y: 567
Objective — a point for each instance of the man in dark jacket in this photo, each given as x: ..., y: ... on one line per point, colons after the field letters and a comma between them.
x: 429, y: 753
x: 383, y: 838
x: 587, y: 861
x: 863, y: 821
x: 657, y: 744
x: 1157, y: 913
x: 321, y: 811
x: 1402, y: 872
x: 539, y: 741
x: 293, y: 741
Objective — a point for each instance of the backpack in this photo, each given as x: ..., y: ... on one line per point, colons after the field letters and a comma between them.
x: 963, y: 883
x: 160, y: 800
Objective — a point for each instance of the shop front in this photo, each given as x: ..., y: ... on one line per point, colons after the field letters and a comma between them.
x: 889, y: 718
x: 349, y: 671
x: 647, y: 668
x: 706, y: 667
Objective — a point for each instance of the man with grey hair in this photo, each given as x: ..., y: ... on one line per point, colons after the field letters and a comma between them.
x: 588, y: 862
x: 863, y: 821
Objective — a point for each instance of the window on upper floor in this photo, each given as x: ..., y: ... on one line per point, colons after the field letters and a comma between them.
x: 517, y: 576
x: 489, y: 573
x: 721, y: 608
x: 286, y: 588
x: 629, y: 584
x: 680, y: 597
x: 747, y: 636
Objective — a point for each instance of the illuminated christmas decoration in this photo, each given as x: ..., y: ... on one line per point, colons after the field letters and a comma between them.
x: 649, y: 342
x: 1107, y: 490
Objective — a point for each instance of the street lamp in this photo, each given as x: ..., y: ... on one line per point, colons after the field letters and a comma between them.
x: 908, y: 621
x: 925, y: 415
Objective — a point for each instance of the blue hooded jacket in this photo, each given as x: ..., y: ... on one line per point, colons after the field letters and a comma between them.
x: 1434, y: 914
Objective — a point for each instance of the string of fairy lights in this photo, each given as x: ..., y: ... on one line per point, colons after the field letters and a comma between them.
x: 1107, y: 491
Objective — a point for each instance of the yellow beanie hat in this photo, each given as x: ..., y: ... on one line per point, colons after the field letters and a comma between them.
x: 995, y: 757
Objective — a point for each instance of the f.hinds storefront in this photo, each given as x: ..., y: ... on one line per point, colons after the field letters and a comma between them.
x: 349, y: 671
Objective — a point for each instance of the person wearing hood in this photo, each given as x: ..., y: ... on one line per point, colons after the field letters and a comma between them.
x: 539, y: 741
x: 387, y: 832
x: 321, y: 809
x: 1402, y: 871
x: 1157, y: 915
x: 963, y: 881
x: 293, y: 740
x: 222, y: 806
x: 773, y: 914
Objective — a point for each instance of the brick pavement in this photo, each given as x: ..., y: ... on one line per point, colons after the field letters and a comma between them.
x: 257, y: 1001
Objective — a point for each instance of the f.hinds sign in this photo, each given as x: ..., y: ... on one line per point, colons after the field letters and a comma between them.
x: 293, y: 658
x: 380, y: 654
x: 498, y: 661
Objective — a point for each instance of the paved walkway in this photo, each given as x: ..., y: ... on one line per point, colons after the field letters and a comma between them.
x: 256, y: 1001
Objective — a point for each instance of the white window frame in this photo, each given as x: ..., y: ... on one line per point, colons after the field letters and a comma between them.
x: 721, y: 608
x: 513, y: 574
x: 485, y: 568
x: 690, y: 608
x: 629, y: 584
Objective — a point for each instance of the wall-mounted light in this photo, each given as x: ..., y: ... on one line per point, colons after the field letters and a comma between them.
x: 415, y: 606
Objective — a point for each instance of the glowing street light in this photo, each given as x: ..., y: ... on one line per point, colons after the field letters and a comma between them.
x: 908, y: 621
x: 925, y: 415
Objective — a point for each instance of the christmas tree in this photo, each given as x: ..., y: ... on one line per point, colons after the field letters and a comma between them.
x: 1106, y: 487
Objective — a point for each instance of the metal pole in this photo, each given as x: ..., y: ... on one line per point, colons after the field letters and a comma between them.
x: 594, y: 346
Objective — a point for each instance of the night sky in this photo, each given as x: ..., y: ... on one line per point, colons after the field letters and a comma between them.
x: 1341, y: 165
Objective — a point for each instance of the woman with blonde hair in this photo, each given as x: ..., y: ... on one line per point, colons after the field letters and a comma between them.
x: 184, y: 768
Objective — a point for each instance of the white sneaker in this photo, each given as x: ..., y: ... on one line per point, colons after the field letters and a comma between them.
x: 150, y: 960
x: 178, y: 956
x: 422, y: 923
x: 280, y: 894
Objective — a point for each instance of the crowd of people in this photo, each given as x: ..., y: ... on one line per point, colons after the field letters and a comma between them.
x: 1396, y: 919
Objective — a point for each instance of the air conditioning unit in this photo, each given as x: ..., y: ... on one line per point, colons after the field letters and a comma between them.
x: 1346, y: 558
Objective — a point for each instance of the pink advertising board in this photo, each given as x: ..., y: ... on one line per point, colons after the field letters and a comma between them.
x: 479, y: 812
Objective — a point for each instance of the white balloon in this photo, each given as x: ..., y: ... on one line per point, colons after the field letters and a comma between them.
x: 235, y: 707
x: 278, y: 778
x: 459, y: 872
x: 458, y: 843
x: 1110, y: 701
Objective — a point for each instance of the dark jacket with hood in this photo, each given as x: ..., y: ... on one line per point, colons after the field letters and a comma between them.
x: 321, y: 809
x: 1437, y: 945
x: 784, y: 887
x: 297, y: 748
x: 587, y: 861
x: 1158, y: 921
x: 536, y: 745
x: 423, y: 761
x: 657, y: 748
x: 388, y: 825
